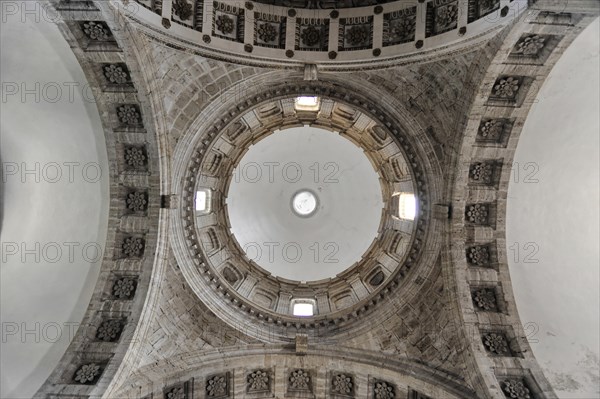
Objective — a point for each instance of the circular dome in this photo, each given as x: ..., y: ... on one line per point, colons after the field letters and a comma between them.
x: 231, y: 282
x: 305, y: 203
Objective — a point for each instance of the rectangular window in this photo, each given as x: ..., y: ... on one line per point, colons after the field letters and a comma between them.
x: 203, y: 201
x: 303, y: 309
x: 307, y: 103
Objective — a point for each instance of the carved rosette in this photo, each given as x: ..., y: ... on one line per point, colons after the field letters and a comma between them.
x: 124, y: 288
x: 109, y: 330
x: 507, y: 88
x: 176, y: 393
x: 342, y: 384
x: 258, y: 381
x: 299, y: 380
x: 133, y: 247
x: 267, y: 32
x: 482, y: 172
x: 116, y: 74
x: 310, y: 36
x: 225, y: 24
x: 357, y: 35
x: 485, y: 299
x: 383, y: 390
x: 135, y: 157
x: 492, y: 129
x: 129, y: 115
x: 182, y: 9
x: 530, y: 45
x: 478, y: 255
x: 516, y: 389
x: 217, y: 386
x: 496, y: 343
x: 478, y: 214
x: 137, y: 201
x: 88, y: 373
x: 98, y: 31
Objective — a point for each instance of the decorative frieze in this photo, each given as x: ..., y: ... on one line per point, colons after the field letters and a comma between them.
x: 479, y: 255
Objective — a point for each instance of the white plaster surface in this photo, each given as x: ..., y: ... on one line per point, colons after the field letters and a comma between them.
x: 553, y: 219
x: 46, y: 291
x: 348, y: 212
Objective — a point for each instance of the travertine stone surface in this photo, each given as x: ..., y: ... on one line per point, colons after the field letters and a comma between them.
x: 443, y: 324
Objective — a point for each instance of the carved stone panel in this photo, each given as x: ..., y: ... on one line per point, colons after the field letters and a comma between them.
x: 88, y: 374
x: 399, y: 26
x: 110, y: 330
x: 342, y: 385
x: 383, y: 390
x: 259, y: 381
x: 218, y: 386
x: 299, y: 381
x: 312, y: 34
x: 494, y: 132
x: 228, y: 22
x: 355, y: 33
x: 533, y: 48
x: 480, y: 8
x: 269, y: 30
x: 441, y: 17
x: 509, y: 91
x: 124, y: 287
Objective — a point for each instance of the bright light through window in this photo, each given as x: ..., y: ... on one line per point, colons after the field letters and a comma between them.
x: 303, y: 309
x: 307, y: 103
x: 407, y: 207
x: 202, y: 201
